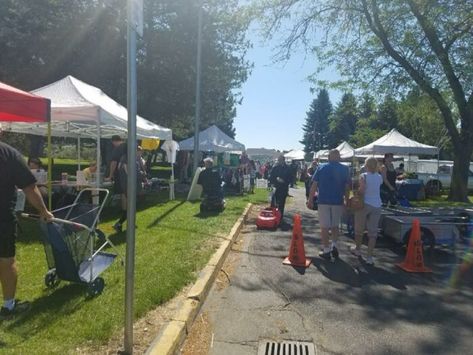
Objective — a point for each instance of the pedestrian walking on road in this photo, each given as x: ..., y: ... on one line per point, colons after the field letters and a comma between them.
x: 367, y: 218
x: 332, y: 182
x: 280, y: 177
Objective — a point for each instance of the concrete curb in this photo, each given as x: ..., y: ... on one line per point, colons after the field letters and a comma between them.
x: 175, y: 331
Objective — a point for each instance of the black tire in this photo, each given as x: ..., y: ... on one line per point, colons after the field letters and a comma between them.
x: 426, y: 235
x: 50, y: 279
x: 96, y: 287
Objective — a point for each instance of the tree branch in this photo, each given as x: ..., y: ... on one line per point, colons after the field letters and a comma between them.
x: 376, y: 26
x: 443, y: 57
x: 449, y: 43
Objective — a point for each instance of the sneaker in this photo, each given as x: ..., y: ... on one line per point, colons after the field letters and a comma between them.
x: 369, y: 261
x: 118, y: 227
x: 20, y: 307
x: 326, y: 256
x: 335, y: 252
x: 356, y: 252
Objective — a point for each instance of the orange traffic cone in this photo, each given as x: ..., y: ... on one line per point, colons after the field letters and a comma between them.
x: 296, y: 251
x: 414, y: 261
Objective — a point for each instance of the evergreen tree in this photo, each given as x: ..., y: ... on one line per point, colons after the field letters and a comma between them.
x: 343, y: 121
x: 364, y: 134
x: 387, y: 117
x: 316, y: 126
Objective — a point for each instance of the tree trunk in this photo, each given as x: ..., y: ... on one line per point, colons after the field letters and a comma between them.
x: 461, y: 167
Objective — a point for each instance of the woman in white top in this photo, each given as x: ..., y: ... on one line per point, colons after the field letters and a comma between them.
x: 367, y: 218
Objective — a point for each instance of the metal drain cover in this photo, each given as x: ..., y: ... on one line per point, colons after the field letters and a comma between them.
x: 286, y: 348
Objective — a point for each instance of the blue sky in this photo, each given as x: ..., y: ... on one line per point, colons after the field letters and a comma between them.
x: 276, y: 98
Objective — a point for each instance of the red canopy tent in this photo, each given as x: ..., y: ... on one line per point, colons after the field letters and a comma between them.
x: 20, y: 106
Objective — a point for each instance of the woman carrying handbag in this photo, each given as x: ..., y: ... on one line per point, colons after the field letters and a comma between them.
x: 368, y: 213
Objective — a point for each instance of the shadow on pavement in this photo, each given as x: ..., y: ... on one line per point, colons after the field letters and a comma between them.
x: 337, y: 271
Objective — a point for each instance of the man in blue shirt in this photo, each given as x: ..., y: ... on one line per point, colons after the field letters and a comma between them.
x: 332, y: 182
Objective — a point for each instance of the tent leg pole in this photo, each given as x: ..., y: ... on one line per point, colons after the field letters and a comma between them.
x: 78, y: 153
x: 99, y: 163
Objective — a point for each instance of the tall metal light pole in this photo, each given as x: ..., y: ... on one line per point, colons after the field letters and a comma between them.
x: 197, y: 87
x: 134, y: 24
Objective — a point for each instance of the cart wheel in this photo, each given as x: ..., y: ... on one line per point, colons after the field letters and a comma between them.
x: 50, y: 279
x: 426, y: 235
x: 100, y: 236
x: 96, y: 287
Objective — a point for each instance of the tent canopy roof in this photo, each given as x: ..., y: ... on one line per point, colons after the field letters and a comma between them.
x: 213, y: 139
x: 80, y: 109
x: 21, y: 106
x: 394, y: 142
x: 295, y: 154
x: 345, y: 149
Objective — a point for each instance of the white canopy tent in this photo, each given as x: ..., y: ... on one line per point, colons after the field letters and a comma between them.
x: 394, y: 142
x: 213, y: 139
x: 345, y: 149
x: 81, y: 110
x: 295, y: 155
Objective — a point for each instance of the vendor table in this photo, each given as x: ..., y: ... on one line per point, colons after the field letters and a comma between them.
x: 412, y: 189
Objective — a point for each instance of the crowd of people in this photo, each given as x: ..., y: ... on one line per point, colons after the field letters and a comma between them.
x: 327, y: 186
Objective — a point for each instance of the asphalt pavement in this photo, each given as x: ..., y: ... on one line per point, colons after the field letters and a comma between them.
x: 342, y: 306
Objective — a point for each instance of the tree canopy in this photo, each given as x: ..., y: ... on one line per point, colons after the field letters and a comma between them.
x: 392, y: 46
x: 42, y: 41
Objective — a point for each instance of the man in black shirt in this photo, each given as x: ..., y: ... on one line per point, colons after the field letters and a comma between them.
x: 14, y: 173
x: 280, y: 177
x: 119, y: 154
x: 119, y: 150
x: 210, y: 180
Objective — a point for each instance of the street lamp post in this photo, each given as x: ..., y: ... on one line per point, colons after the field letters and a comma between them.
x: 197, y: 87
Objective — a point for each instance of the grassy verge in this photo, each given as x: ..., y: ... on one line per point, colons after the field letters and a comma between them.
x: 173, y: 242
x: 441, y: 201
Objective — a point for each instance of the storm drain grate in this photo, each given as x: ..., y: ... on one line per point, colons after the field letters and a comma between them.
x: 286, y: 348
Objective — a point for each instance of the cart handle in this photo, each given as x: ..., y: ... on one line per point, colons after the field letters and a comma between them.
x: 58, y: 220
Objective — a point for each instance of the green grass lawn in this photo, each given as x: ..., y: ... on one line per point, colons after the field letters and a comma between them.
x: 441, y: 201
x: 172, y: 244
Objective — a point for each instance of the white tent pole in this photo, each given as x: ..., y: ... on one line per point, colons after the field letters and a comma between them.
x: 171, y: 185
x: 78, y: 152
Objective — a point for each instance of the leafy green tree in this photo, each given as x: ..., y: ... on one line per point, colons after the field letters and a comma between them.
x: 393, y: 46
x: 365, y: 131
x: 316, y: 126
x: 343, y: 121
x: 420, y: 119
x: 42, y: 41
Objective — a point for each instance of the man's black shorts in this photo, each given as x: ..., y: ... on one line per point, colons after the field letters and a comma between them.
x: 7, y: 239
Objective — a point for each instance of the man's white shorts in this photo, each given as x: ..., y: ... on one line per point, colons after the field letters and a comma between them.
x: 330, y: 215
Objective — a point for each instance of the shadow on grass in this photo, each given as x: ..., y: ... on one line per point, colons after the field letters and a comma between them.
x: 29, y: 231
x: 165, y: 214
x: 49, y: 308
x: 206, y: 214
